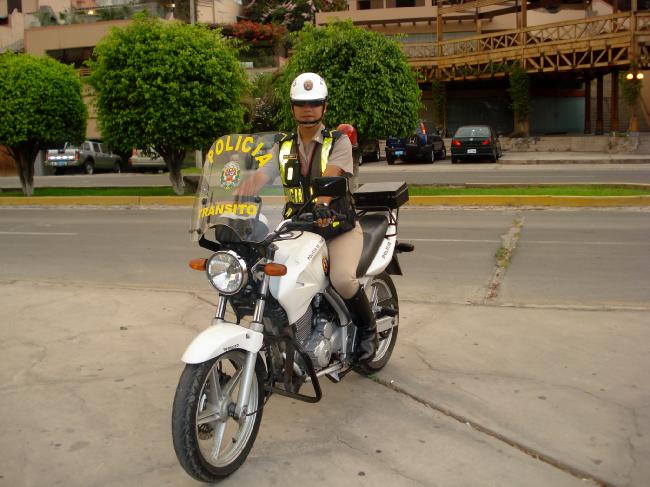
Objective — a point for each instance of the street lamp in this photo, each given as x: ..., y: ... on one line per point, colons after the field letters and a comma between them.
x: 634, y: 76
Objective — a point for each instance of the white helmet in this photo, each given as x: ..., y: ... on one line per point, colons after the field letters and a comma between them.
x: 308, y: 87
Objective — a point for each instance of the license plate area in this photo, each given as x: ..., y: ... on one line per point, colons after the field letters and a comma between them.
x: 471, y: 151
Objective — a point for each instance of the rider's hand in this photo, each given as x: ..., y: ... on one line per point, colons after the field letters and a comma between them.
x: 323, y: 215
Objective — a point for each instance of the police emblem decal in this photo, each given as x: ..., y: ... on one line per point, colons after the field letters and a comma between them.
x: 308, y: 85
x: 230, y: 175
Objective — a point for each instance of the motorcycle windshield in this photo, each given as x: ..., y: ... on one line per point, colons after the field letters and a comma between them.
x: 226, y: 209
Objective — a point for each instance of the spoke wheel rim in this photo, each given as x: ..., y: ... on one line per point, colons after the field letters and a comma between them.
x: 384, y: 297
x: 221, y: 438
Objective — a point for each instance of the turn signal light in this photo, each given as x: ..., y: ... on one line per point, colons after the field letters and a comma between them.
x: 198, y: 264
x: 455, y: 143
x: 274, y: 269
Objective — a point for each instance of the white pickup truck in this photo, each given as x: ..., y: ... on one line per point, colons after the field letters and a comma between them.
x: 86, y: 157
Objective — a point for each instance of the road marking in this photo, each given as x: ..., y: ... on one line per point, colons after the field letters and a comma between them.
x: 564, y: 242
x: 37, y: 233
x: 541, y: 242
x: 449, y: 240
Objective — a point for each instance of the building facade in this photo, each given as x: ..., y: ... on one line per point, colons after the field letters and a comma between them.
x: 573, y: 51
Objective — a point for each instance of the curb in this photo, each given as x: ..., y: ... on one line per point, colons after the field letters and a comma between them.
x: 477, y: 200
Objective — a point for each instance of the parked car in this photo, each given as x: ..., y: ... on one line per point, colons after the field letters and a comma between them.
x: 475, y: 142
x: 423, y: 146
x: 369, y: 150
x: 87, y: 157
x: 146, y: 160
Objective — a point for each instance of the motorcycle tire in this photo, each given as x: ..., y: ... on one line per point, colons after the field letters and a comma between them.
x: 198, y: 430
x: 386, y: 297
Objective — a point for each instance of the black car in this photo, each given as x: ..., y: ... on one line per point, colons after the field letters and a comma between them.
x: 423, y: 146
x: 475, y: 142
x: 369, y: 150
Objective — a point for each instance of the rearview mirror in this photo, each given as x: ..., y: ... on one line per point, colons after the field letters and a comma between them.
x: 334, y: 186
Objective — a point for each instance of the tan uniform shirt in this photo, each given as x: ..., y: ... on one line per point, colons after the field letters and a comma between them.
x: 341, y: 155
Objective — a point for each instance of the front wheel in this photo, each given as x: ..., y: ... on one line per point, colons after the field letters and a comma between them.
x: 382, y: 294
x: 209, y: 442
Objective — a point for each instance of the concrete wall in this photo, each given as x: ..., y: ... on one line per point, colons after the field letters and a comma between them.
x: 219, y: 12
x: 41, y: 39
x: 428, y: 13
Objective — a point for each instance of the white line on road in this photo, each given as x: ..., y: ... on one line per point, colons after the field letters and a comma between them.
x: 523, y: 242
x: 449, y: 240
x: 37, y: 233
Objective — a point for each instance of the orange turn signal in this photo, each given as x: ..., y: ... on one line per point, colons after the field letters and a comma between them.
x: 274, y: 269
x: 198, y: 264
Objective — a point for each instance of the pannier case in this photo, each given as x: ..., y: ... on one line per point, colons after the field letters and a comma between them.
x: 379, y: 196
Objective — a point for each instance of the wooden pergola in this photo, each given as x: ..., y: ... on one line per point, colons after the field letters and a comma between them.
x: 590, y: 47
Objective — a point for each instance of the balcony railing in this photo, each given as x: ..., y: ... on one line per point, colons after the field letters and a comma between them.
x: 592, y: 42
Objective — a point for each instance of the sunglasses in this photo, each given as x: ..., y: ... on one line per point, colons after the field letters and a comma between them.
x: 307, y: 103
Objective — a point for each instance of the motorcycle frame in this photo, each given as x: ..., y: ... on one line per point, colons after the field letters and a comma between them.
x: 225, y: 335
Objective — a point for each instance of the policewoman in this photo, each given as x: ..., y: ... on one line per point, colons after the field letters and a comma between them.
x: 315, y: 151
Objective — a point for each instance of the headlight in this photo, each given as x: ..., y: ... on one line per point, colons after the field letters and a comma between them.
x: 227, y: 272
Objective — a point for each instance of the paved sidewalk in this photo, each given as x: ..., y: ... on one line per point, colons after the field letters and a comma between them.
x: 512, y: 157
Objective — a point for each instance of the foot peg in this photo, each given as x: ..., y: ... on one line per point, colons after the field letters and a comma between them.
x: 386, y: 312
x: 404, y: 247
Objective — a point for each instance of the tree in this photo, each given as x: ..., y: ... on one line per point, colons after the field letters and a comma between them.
x: 291, y: 14
x: 170, y: 86
x: 519, y: 91
x: 371, y: 85
x: 40, y: 105
x: 631, y: 92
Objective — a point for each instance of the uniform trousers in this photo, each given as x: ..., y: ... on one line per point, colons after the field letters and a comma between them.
x: 345, y: 253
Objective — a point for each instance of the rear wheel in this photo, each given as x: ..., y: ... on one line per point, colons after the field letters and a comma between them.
x: 382, y: 294
x: 89, y: 167
x: 454, y: 160
x: 209, y: 442
x: 443, y: 153
x: 117, y: 167
x: 429, y: 157
x: 390, y: 159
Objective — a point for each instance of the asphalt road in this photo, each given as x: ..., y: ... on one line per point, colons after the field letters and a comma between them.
x: 534, y: 374
x: 442, y: 172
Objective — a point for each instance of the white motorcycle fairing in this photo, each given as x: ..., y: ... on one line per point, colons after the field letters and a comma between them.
x: 385, y: 252
x: 221, y: 337
x: 306, y: 259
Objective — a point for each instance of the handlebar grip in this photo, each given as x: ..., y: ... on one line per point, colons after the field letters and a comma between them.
x: 242, y: 198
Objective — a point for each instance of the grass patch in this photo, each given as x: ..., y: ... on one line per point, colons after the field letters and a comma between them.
x: 576, y: 190
x: 148, y: 191
x: 502, y: 256
x: 414, y: 190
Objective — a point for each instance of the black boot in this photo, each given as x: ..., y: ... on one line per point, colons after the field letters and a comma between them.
x: 364, y: 318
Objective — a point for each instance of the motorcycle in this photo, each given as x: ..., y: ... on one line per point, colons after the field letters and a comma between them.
x: 275, y: 270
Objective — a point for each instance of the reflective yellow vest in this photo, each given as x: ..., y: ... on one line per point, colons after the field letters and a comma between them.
x: 295, y: 195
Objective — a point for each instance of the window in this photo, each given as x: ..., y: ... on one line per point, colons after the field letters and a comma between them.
x: 473, y: 132
x: 96, y: 147
x: 405, y: 3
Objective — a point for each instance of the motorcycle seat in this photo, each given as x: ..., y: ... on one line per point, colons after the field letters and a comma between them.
x: 374, y: 228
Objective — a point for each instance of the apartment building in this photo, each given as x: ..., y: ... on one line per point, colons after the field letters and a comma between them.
x: 573, y: 51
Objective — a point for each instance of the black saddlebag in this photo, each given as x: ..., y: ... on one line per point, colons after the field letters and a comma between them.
x: 380, y: 196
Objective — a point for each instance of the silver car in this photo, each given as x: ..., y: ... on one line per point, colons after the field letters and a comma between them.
x: 88, y: 157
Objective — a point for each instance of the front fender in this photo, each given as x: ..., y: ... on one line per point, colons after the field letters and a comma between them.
x: 219, y: 338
